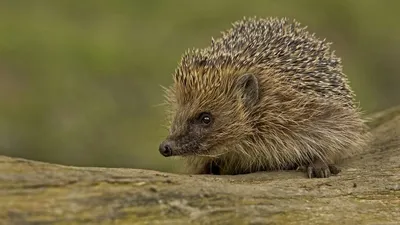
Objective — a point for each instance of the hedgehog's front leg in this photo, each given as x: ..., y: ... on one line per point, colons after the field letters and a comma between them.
x: 320, y: 169
x: 212, y: 168
x: 207, y: 167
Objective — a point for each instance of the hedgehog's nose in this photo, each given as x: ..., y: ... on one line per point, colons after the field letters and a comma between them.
x: 165, y: 148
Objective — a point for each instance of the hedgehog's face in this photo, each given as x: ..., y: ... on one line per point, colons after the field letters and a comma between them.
x: 207, y: 121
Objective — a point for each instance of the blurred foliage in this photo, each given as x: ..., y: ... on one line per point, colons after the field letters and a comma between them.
x: 80, y: 80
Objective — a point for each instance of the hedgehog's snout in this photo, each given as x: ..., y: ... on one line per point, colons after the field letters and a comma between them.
x: 166, y: 148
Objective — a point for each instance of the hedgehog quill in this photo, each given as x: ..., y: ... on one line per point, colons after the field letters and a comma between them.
x: 266, y: 95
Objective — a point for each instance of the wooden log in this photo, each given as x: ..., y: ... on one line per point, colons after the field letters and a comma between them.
x: 367, y: 191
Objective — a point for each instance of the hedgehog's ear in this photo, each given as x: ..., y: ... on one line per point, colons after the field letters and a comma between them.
x: 248, y: 85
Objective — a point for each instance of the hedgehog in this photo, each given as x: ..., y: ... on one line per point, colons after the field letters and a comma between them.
x: 266, y: 95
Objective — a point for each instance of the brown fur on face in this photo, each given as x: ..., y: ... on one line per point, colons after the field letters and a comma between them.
x: 227, y: 111
x: 277, y: 98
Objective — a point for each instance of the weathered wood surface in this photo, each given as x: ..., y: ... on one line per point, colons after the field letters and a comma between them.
x: 367, y: 191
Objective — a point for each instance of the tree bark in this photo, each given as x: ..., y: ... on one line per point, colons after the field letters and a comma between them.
x: 367, y: 191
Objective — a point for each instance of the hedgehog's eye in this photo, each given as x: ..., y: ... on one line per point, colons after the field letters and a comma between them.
x: 205, y: 118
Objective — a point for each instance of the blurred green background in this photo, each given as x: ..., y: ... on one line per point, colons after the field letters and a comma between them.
x: 80, y: 80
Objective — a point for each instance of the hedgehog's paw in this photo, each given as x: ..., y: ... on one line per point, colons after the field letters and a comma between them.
x: 210, y: 168
x: 319, y: 169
